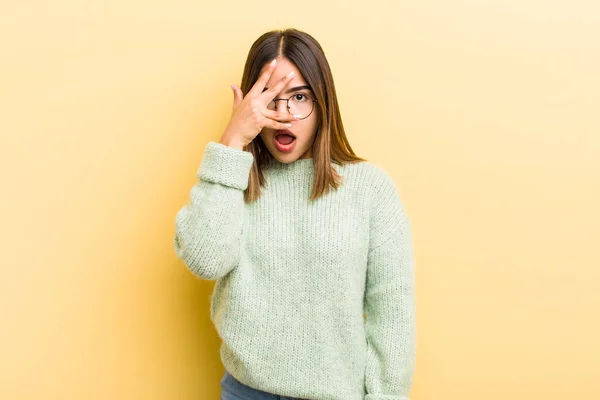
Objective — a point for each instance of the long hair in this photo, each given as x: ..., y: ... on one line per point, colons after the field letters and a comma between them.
x: 330, y: 144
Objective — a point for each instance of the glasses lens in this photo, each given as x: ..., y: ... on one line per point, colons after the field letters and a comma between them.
x: 301, y: 104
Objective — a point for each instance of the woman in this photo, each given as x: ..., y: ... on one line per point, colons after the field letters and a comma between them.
x: 303, y: 238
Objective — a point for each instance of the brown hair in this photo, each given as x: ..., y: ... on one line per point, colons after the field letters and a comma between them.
x: 331, y: 144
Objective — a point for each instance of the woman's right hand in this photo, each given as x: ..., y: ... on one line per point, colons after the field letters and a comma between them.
x: 250, y: 115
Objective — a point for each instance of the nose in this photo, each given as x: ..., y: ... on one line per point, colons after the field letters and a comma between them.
x: 281, y: 105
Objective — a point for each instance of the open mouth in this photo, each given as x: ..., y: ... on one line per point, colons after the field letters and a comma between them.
x: 284, y: 140
x: 284, y: 137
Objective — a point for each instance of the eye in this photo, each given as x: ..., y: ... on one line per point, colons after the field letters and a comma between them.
x: 299, y: 96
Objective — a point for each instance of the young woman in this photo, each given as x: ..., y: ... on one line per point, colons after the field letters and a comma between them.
x: 303, y: 238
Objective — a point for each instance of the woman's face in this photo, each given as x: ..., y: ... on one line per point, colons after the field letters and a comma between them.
x: 304, y: 130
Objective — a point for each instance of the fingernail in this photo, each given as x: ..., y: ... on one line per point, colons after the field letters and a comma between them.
x: 274, y: 62
x: 288, y: 125
x: 296, y: 115
x: 290, y: 74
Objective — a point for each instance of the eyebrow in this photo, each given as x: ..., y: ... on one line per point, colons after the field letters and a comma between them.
x: 293, y: 89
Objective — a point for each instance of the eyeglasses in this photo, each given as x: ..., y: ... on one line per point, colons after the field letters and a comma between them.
x: 298, y: 103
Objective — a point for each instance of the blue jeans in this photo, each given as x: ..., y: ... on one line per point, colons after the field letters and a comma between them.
x: 232, y: 389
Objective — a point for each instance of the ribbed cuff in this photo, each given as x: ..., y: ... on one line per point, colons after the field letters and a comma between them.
x: 226, y: 165
x: 385, y: 397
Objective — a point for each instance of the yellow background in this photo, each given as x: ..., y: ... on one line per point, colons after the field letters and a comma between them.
x: 485, y: 112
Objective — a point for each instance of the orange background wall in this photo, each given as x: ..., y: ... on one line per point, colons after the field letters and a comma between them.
x: 486, y: 113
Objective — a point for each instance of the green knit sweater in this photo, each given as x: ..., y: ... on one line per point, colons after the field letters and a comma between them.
x: 295, y: 279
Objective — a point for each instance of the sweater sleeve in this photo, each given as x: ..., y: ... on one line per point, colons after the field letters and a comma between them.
x: 389, y: 301
x: 208, y: 230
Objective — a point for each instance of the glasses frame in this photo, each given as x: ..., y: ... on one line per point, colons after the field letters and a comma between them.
x: 287, y: 103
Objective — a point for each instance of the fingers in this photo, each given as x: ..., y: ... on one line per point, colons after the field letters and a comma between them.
x: 262, y: 80
x: 268, y: 95
x: 280, y: 116
x: 270, y: 123
x: 238, y: 95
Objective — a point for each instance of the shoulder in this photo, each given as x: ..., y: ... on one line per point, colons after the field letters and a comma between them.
x: 374, y: 179
x: 366, y: 173
x: 384, y: 197
x: 387, y: 213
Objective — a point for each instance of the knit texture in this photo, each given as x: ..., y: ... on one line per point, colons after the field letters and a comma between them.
x: 295, y: 278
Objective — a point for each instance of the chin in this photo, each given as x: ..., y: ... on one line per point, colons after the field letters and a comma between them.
x: 287, y: 157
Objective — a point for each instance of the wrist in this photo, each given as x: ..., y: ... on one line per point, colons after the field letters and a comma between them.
x: 232, y: 142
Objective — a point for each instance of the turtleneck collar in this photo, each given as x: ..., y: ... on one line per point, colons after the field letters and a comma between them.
x: 298, y: 167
